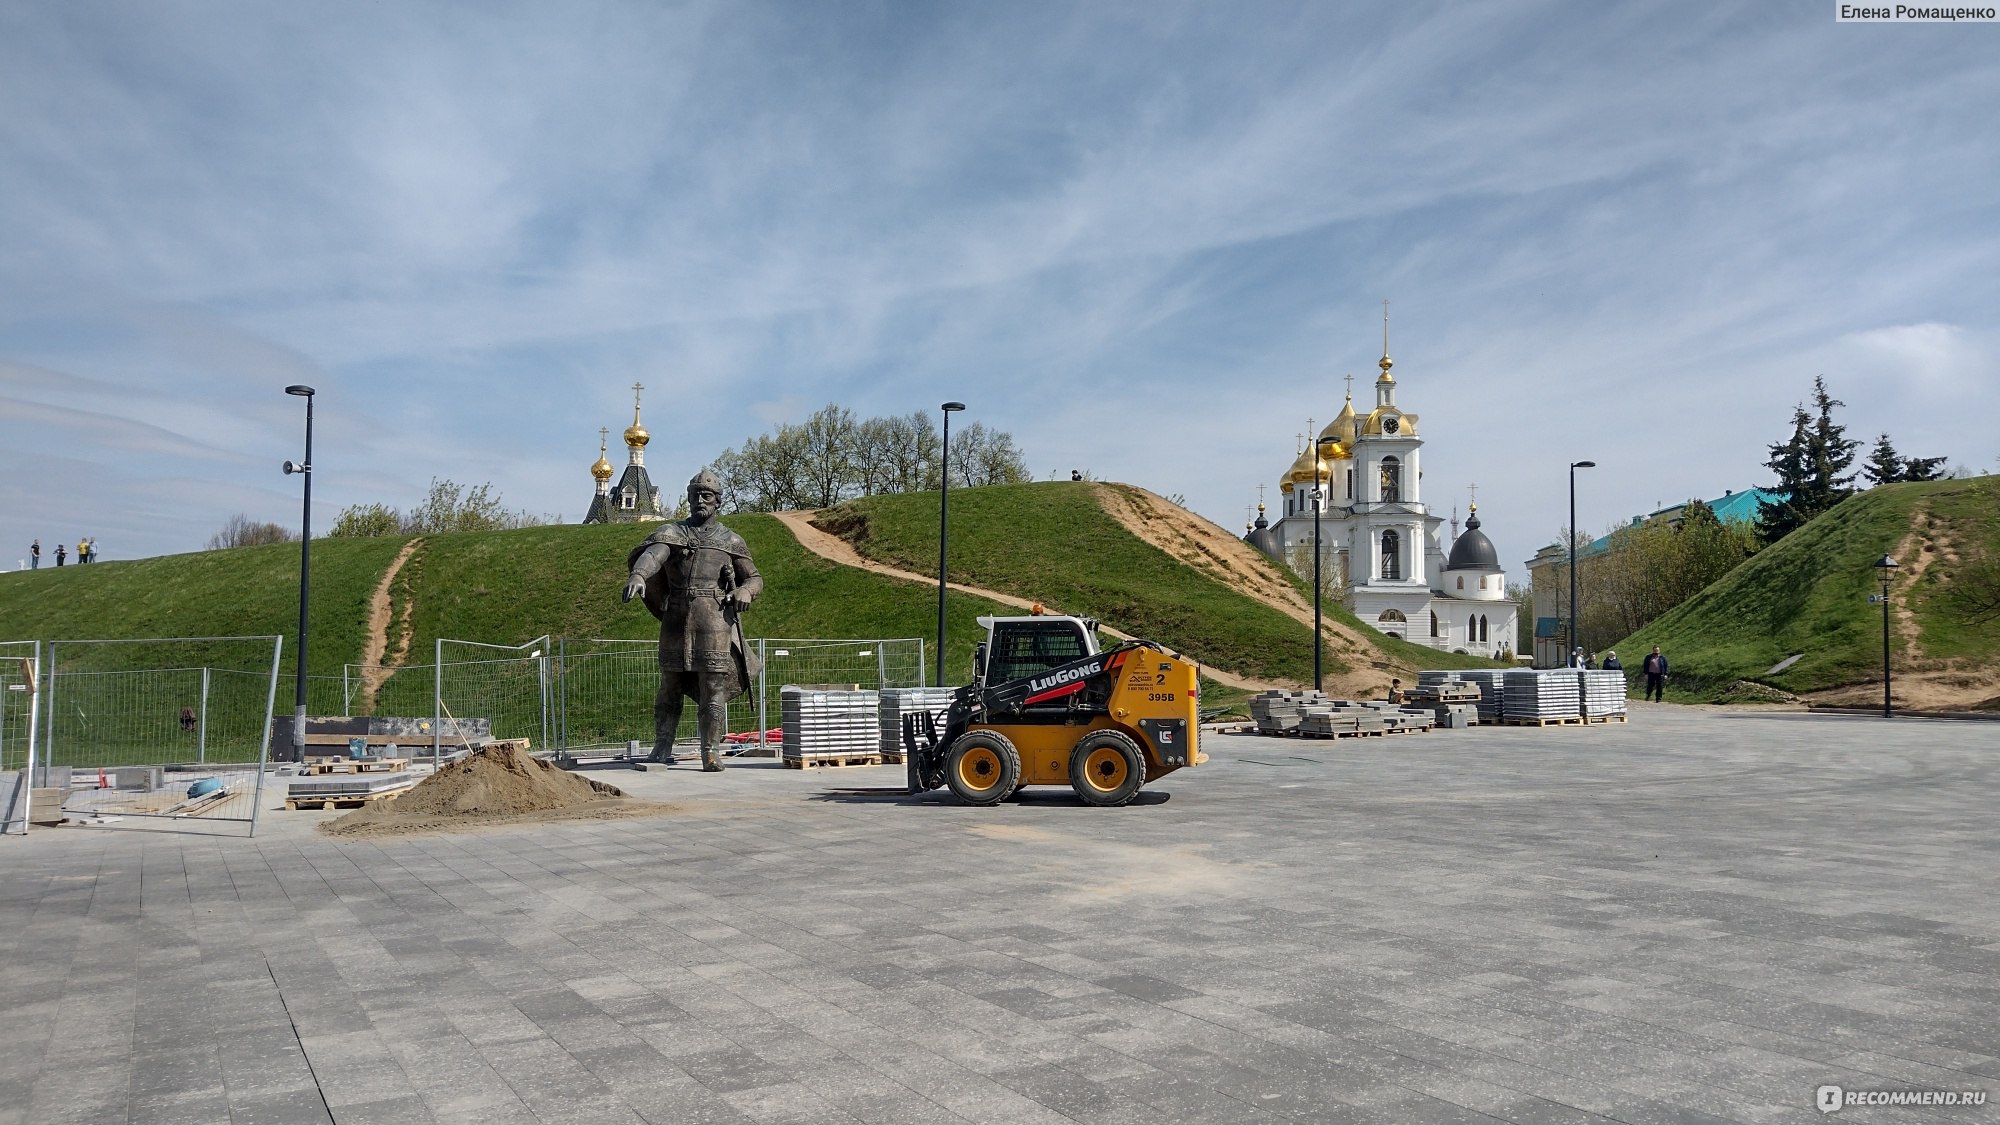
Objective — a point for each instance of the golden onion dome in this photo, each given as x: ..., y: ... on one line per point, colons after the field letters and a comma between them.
x: 602, y: 469
x: 635, y: 434
x: 1302, y: 469
x: 1342, y: 426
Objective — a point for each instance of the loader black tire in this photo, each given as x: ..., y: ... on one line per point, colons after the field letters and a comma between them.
x: 982, y: 767
x: 1106, y: 768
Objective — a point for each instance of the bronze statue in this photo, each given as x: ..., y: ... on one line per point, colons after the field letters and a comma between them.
x: 695, y: 575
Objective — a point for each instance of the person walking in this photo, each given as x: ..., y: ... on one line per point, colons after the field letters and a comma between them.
x: 1655, y: 668
x: 60, y: 554
x: 35, y: 555
x: 83, y: 550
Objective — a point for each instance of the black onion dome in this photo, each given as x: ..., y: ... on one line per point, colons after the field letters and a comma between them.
x: 1262, y: 539
x: 1473, y: 551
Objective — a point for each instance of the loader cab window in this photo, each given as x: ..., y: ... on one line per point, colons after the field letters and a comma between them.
x: 1027, y: 648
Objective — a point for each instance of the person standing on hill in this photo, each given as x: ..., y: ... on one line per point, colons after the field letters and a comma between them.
x: 60, y: 554
x: 35, y: 555
x: 1655, y: 668
x: 1611, y: 663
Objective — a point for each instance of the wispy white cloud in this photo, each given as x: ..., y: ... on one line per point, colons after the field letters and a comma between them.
x: 1148, y: 239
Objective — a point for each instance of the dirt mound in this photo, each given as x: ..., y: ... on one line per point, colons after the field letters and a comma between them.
x: 495, y: 785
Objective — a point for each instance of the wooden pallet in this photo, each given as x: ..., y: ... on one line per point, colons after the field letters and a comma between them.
x: 833, y: 760
x: 1550, y: 721
x: 344, y: 801
x: 1614, y: 717
x: 320, y: 766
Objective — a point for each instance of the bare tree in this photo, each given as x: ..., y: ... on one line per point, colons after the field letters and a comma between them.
x: 242, y: 531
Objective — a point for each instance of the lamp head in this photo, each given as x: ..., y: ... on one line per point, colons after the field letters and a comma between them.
x: 952, y: 407
x: 1885, y: 565
x: 1583, y: 464
x: 299, y: 389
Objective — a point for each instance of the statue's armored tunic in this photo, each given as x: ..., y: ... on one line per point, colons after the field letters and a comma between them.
x: 689, y: 581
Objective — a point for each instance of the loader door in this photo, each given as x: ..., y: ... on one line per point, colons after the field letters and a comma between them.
x: 1019, y: 649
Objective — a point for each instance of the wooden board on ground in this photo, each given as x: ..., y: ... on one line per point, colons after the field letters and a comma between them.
x: 319, y: 766
x: 834, y: 760
x: 1544, y: 721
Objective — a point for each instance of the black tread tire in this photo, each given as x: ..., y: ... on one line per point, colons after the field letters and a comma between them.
x: 1135, y: 768
x: 1010, y: 767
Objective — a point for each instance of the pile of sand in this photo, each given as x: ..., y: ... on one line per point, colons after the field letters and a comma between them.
x: 495, y: 785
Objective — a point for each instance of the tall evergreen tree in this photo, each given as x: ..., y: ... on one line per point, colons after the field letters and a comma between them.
x: 1884, y: 466
x: 1780, y: 516
x: 1924, y: 468
x: 1831, y: 451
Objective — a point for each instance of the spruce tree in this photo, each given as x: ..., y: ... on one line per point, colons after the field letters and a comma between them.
x: 1830, y: 453
x: 1924, y: 468
x: 1777, y: 518
x: 1884, y: 466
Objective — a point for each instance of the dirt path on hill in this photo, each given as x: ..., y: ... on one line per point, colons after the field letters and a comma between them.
x: 1919, y: 683
x: 375, y: 667
x: 1210, y: 549
x: 834, y: 549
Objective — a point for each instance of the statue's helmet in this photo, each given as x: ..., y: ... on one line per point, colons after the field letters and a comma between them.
x: 704, y: 481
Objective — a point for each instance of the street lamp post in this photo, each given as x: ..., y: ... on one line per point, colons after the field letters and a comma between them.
x: 305, y: 569
x: 1318, y: 491
x: 1574, y: 638
x: 1887, y: 567
x: 944, y: 494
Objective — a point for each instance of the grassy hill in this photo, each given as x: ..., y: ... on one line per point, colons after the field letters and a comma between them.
x: 1054, y: 542
x: 1808, y: 595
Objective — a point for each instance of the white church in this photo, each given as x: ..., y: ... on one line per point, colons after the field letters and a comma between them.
x: 1400, y: 574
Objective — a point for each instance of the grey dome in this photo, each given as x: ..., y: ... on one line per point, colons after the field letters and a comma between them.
x: 1473, y: 551
x: 1262, y: 539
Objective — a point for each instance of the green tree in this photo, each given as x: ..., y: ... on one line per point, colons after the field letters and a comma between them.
x: 1884, y: 466
x: 363, y: 520
x: 448, y: 506
x: 1812, y: 467
x: 1924, y: 468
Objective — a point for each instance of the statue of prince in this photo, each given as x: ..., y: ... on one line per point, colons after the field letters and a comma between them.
x: 695, y: 575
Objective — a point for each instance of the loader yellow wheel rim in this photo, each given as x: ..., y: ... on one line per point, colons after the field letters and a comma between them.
x: 1105, y: 769
x: 979, y: 768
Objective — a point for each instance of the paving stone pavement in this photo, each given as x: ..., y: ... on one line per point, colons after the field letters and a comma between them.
x: 1694, y: 917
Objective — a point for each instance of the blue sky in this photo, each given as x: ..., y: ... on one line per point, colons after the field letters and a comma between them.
x: 1148, y: 239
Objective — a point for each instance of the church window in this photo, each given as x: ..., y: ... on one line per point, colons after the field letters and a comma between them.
x: 1434, y: 623
x: 1392, y: 479
x: 1392, y: 616
x: 627, y: 500
x: 1392, y: 555
x: 1461, y: 582
x: 1350, y: 484
x: 1482, y: 627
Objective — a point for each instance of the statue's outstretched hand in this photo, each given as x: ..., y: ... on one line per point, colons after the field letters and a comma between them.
x: 634, y: 586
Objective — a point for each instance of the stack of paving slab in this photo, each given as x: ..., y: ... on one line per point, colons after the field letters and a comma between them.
x: 1603, y: 691
x: 1277, y: 712
x: 1453, y: 702
x: 898, y: 702
x: 347, y: 786
x: 829, y: 723
x: 1339, y: 716
x: 1542, y: 693
x: 1492, y: 684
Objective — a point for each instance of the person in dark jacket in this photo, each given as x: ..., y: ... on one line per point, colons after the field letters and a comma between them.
x: 61, y: 554
x: 1611, y: 663
x: 1655, y: 668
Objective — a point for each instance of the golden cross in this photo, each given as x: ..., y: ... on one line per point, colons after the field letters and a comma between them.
x: 603, y: 436
x: 1350, y: 386
x: 1474, y: 489
x: 1385, y: 326
x: 636, y: 388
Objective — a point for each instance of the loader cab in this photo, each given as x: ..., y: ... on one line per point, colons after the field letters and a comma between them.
x: 1017, y: 647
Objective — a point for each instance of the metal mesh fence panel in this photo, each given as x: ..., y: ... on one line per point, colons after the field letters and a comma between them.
x: 20, y: 674
x: 506, y: 685
x: 604, y: 688
x: 174, y: 727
